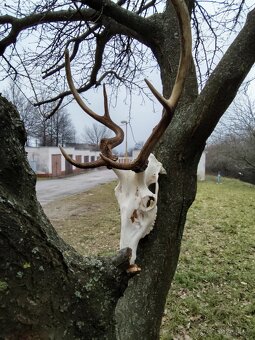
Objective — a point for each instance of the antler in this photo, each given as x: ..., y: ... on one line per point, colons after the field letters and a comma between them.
x: 106, y: 144
x: 140, y: 163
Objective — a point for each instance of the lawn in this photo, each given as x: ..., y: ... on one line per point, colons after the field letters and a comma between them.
x: 213, y: 294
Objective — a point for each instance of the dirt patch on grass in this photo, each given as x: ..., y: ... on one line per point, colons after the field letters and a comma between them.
x: 89, y: 221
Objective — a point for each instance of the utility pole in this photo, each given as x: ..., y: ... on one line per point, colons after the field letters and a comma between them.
x: 126, y: 146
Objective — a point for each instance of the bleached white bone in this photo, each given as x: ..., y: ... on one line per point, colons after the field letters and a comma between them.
x: 137, y: 195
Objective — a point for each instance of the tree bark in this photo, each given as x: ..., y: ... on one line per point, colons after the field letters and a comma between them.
x: 47, y: 290
x: 179, y: 151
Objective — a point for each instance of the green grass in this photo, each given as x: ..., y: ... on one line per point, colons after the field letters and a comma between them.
x: 213, y: 293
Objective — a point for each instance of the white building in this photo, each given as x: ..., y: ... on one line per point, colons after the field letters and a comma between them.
x: 201, y: 168
x: 47, y: 161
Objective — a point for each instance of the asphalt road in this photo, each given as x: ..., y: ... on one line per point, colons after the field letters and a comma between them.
x: 49, y: 190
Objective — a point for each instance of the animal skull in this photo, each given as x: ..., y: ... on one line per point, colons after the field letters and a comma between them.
x: 137, y: 195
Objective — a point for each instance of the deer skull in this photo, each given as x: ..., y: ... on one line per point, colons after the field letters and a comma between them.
x: 137, y: 195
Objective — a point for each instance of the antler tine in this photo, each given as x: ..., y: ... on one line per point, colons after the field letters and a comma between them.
x: 105, y: 120
x: 106, y: 107
x: 185, y: 58
x: 119, y: 134
x: 95, y: 164
x: 139, y: 164
x: 75, y: 92
x: 163, y: 101
x: 186, y: 51
x: 106, y: 144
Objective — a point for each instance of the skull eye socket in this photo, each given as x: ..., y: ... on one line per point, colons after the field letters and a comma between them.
x: 152, y: 187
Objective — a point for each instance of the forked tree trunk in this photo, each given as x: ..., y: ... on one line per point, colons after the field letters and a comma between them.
x: 47, y: 291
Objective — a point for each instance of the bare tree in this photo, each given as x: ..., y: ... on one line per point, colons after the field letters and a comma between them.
x: 93, y: 135
x: 240, y: 127
x: 233, y: 148
x: 48, y: 130
x: 114, y: 42
x: 56, y: 130
x: 29, y: 114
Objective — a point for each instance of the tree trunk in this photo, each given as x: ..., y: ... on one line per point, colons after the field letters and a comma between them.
x: 158, y: 253
x: 47, y: 290
x: 179, y: 151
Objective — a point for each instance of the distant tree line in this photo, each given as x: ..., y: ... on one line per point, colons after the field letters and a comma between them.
x: 232, y: 150
x: 43, y: 129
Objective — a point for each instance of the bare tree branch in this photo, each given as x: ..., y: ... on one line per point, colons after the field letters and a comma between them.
x: 226, y: 79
